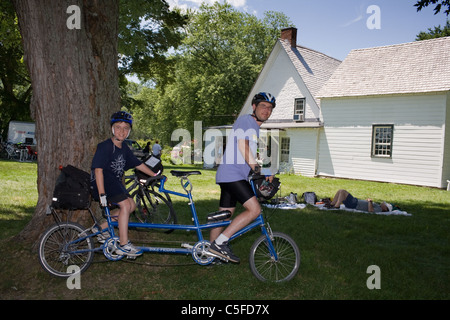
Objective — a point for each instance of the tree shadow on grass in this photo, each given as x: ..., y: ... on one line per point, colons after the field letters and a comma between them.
x: 13, y: 219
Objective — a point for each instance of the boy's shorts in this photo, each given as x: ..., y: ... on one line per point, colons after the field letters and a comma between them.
x: 118, y: 198
x: 233, y: 192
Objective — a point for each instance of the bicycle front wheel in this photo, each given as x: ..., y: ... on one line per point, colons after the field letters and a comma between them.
x: 264, y: 265
x: 153, y: 208
x: 62, y: 245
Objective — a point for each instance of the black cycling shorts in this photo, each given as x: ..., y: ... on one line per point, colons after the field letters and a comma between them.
x: 232, y: 192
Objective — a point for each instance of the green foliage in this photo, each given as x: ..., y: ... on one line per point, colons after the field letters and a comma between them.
x: 147, y: 30
x: 222, y: 52
x: 15, y: 86
x: 437, y: 32
x: 439, y: 5
x: 206, y: 78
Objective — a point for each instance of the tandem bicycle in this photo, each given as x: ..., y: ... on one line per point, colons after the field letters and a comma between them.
x: 274, y: 256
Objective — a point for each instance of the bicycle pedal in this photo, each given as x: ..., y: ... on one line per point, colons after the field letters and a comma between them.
x: 223, y: 259
x: 210, y: 254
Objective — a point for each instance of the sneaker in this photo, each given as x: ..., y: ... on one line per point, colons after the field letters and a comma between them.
x: 129, y: 250
x: 224, y: 251
x: 101, y: 237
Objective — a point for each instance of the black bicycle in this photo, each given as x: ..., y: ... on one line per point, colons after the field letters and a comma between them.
x: 152, y: 206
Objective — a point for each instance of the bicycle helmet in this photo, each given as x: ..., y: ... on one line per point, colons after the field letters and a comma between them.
x: 264, y: 96
x: 122, y: 116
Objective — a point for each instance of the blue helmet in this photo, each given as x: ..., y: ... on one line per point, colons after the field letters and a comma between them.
x: 122, y: 116
x: 264, y: 96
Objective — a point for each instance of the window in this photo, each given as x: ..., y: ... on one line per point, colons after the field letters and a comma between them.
x: 382, y: 136
x: 285, y: 144
x: 299, y: 109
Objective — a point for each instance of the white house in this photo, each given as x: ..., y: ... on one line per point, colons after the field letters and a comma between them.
x: 294, y: 74
x: 386, y: 114
x: 383, y: 114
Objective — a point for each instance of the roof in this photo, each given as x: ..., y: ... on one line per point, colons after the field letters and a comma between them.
x: 315, y: 68
x: 415, y: 67
x: 281, y: 125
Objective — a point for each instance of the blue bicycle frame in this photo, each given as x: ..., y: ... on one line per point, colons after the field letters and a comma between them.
x: 196, y: 226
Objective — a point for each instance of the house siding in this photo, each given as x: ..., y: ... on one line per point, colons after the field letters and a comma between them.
x: 418, y: 138
x: 303, y: 150
x: 446, y: 161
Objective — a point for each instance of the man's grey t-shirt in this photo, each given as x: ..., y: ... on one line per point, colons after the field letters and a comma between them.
x: 233, y: 166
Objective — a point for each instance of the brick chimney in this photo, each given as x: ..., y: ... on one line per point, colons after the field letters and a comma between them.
x: 290, y: 34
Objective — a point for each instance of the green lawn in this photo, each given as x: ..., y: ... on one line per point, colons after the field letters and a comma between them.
x: 337, y: 247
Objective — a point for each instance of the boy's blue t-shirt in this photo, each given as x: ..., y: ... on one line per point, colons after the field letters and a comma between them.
x: 114, y: 161
x: 233, y: 167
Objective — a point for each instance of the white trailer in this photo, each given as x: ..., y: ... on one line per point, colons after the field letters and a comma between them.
x: 21, y: 132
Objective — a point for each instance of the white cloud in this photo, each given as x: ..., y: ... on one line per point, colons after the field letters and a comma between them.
x: 358, y: 18
x: 237, y: 3
x: 194, y: 4
x: 360, y: 15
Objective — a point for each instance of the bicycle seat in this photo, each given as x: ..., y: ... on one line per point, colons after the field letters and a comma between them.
x: 177, y: 173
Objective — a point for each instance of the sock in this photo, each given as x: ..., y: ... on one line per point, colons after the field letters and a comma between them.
x: 221, y: 239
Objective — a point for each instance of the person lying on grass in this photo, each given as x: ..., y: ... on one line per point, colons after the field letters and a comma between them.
x: 344, y: 197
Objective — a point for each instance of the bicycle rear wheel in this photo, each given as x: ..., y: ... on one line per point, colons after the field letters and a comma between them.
x: 152, y: 207
x: 264, y: 266
x: 61, y: 246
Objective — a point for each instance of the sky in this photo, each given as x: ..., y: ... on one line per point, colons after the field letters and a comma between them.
x: 335, y: 27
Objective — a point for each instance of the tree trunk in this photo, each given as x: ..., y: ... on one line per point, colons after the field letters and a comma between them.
x: 74, y: 77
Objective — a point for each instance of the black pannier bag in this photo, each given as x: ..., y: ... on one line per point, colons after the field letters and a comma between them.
x: 153, y: 163
x: 72, y: 189
x: 265, y: 190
